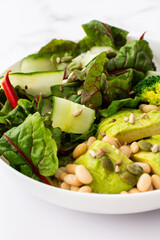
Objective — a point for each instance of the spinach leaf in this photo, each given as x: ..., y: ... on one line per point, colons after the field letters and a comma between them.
x: 135, y: 54
x: 105, y: 35
x: 91, y: 95
x: 85, y: 44
x: 32, y: 141
x: 118, y: 104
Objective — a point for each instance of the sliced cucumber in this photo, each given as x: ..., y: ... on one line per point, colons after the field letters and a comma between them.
x: 152, y: 73
x: 86, y: 57
x: 63, y: 116
x: 36, y: 63
x: 36, y: 82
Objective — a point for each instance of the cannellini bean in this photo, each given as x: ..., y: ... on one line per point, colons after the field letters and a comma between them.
x: 134, y: 190
x: 90, y: 141
x: 134, y: 147
x: 112, y: 141
x: 156, y: 181
x: 65, y: 185
x: 124, y: 192
x: 146, y: 167
x: 125, y: 150
x: 59, y: 170
x: 85, y: 189
x: 74, y: 188
x: 62, y: 175
x: 80, y: 150
x: 83, y: 174
x: 70, y: 168
x: 144, y: 182
x: 72, y: 179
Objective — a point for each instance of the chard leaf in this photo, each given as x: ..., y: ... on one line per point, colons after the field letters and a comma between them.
x: 67, y: 90
x: 85, y: 44
x: 118, y: 87
x: 105, y: 35
x: 61, y: 46
x: 118, y: 104
x: 135, y: 54
x: 32, y: 140
x: 91, y: 96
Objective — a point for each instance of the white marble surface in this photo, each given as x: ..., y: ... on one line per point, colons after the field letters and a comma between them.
x: 26, y: 26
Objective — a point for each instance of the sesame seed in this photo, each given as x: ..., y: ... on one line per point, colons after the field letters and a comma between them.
x: 104, y: 149
x: 77, y: 112
x: 102, y: 133
x: 117, y: 169
x: 65, y: 81
x: 99, y: 154
x: 92, y: 153
x: 126, y: 119
x: 144, y: 115
x: 119, y: 163
x: 79, y: 92
x: 113, y: 146
x: 58, y: 60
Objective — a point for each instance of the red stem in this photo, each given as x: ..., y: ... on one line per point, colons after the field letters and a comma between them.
x: 28, y: 160
x: 142, y: 36
x: 9, y: 91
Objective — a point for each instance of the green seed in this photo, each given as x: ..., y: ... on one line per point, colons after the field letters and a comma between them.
x: 107, y: 163
x: 145, y: 146
x: 135, y: 169
x: 128, y: 178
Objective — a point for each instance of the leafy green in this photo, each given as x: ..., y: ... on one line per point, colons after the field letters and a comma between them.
x: 67, y: 90
x: 85, y: 44
x: 36, y: 143
x: 118, y: 104
x: 119, y: 86
x: 56, y: 134
x: 61, y: 46
x: 135, y: 54
x: 105, y: 35
x: 84, y: 136
x: 91, y: 95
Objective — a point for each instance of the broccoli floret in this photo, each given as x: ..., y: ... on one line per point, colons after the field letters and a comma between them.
x: 149, y: 90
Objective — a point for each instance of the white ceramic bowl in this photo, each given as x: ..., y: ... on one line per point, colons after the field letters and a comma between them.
x: 94, y: 203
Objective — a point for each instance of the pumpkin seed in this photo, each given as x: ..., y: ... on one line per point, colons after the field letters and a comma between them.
x: 145, y: 146
x: 128, y: 178
x: 135, y: 169
x: 107, y: 163
x: 155, y: 147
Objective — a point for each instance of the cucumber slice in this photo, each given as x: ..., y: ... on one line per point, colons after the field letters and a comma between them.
x: 36, y: 82
x: 36, y: 63
x: 86, y: 57
x: 63, y: 116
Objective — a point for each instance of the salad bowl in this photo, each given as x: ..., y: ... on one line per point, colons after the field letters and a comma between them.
x: 93, y: 203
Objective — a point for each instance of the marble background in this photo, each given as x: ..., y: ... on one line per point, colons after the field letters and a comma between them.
x: 26, y: 26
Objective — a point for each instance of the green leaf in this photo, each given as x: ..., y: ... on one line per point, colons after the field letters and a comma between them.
x: 56, y: 134
x: 105, y: 35
x: 36, y: 143
x: 118, y: 87
x: 91, y: 95
x: 67, y: 90
x: 85, y: 44
x: 91, y: 132
x: 135, y: 54
x: 118, y: 104
x: 61, y: 46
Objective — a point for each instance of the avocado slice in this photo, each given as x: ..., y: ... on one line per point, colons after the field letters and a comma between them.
x: 127, y: 132
x: 105, y: 181
x: 153, y: 159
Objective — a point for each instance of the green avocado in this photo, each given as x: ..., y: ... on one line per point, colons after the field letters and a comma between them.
x: 127, y: 132
x: 104, y: 181
x: 153, y: 159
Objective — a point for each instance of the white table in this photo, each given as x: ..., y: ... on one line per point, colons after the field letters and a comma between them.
x: 25, y: 27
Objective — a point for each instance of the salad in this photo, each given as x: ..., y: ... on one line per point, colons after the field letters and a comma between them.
x: 84, y: 116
